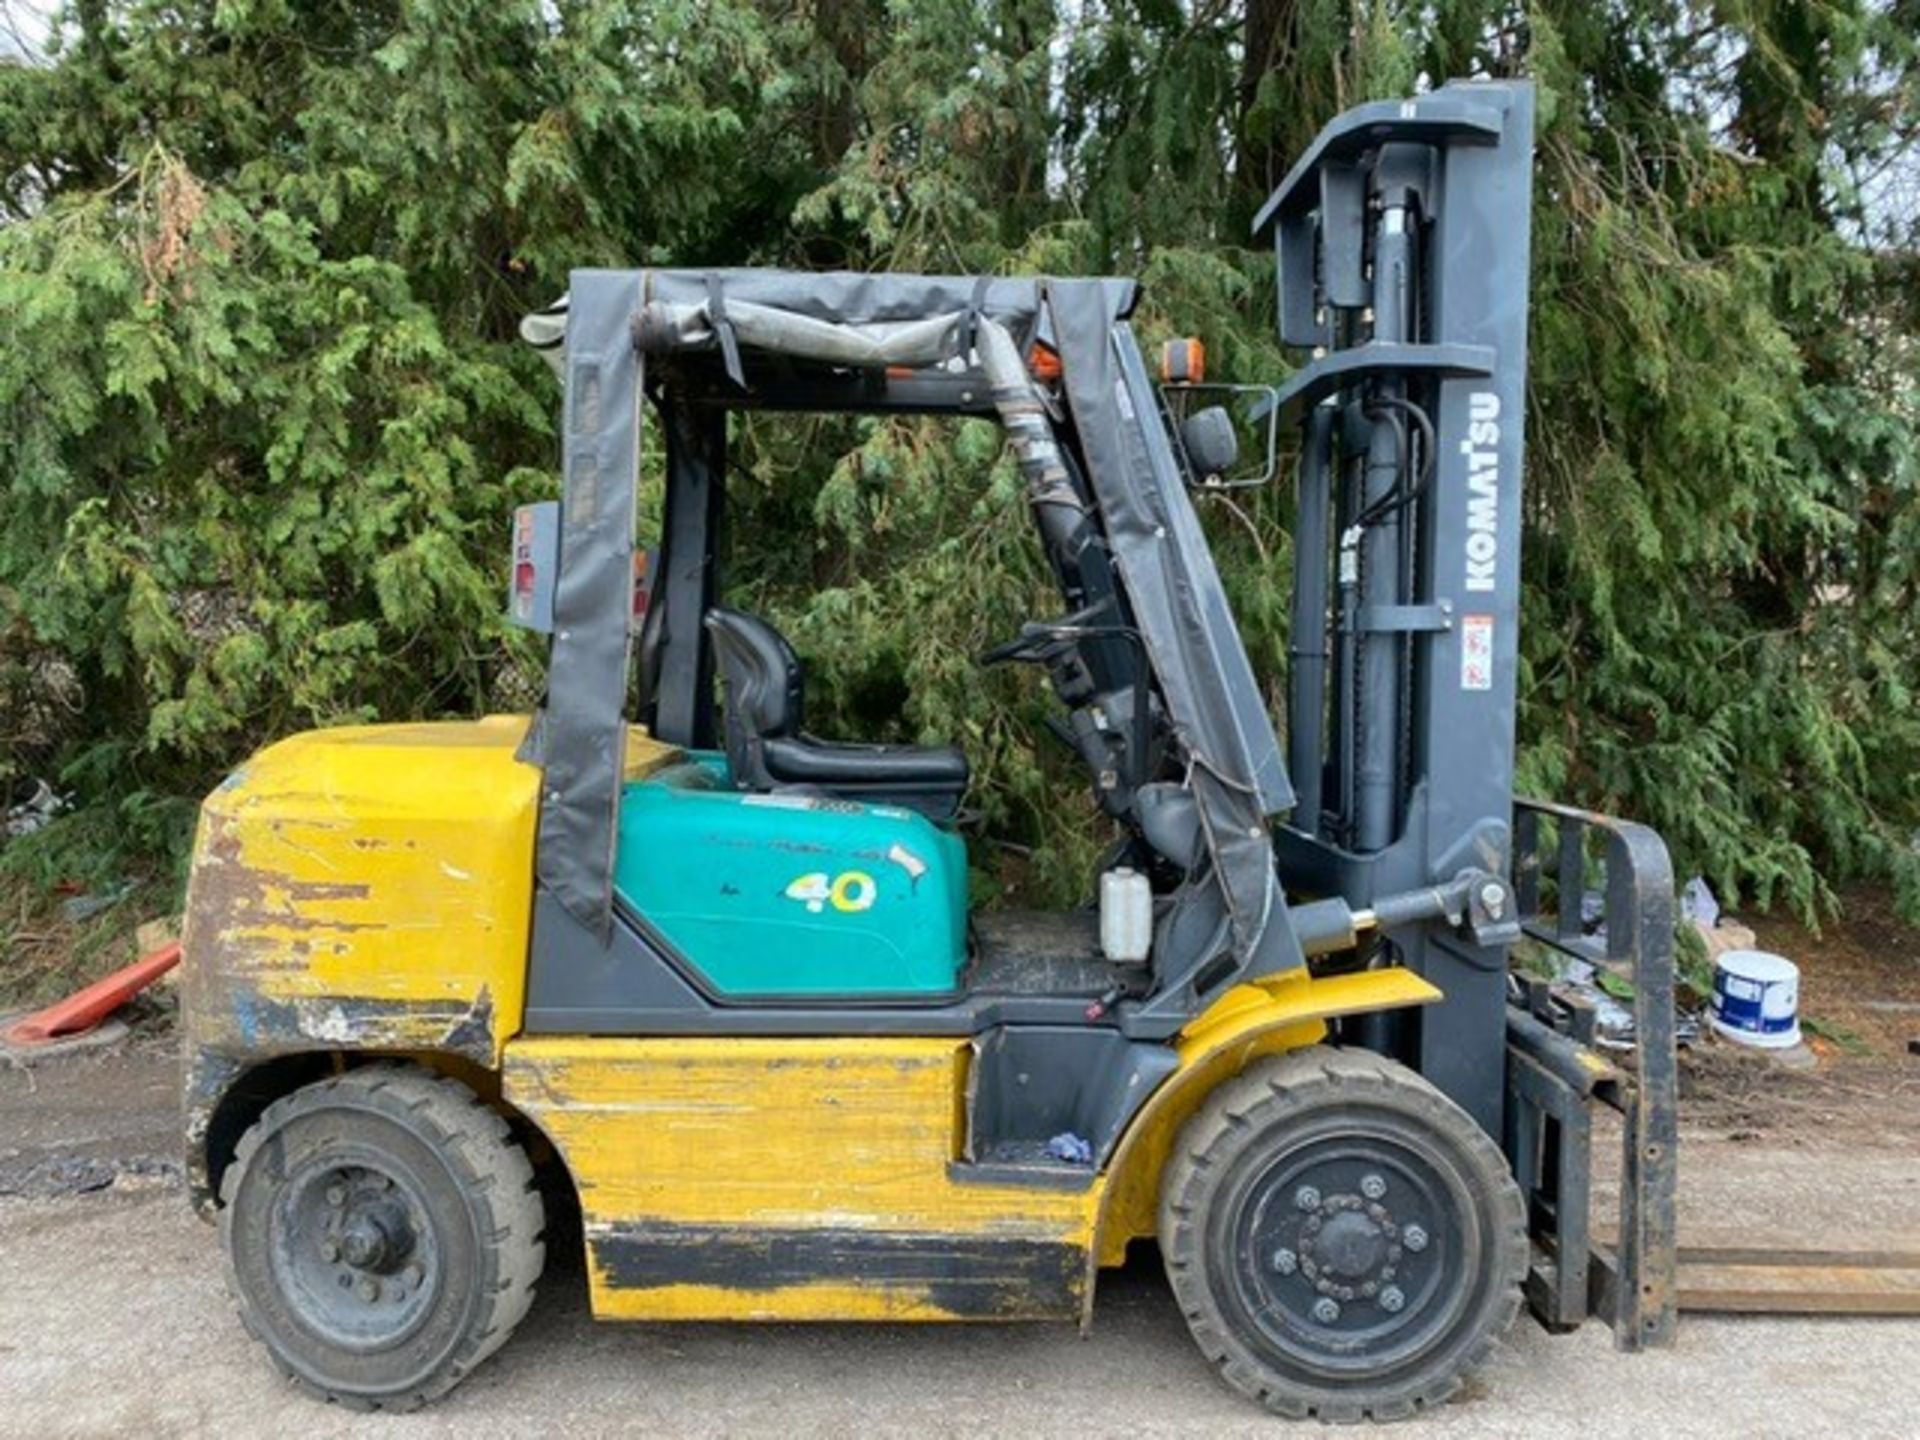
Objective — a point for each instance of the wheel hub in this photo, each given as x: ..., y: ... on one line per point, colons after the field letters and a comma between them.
x: 375, y: 1237
x: 1345, y: 1252
x: 1350, y: 1246
x: 355, y: 1255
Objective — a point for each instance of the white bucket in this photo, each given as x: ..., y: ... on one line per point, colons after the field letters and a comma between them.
x: 1756, y: 999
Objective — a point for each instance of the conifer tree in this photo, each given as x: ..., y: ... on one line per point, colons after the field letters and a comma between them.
x: 262, y: 415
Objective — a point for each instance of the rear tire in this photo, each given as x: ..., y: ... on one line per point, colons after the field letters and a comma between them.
x: 1345, y: 1242
x: 383, y: 1235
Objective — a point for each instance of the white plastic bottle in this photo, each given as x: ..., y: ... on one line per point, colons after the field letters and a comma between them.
x: 1126, y: 915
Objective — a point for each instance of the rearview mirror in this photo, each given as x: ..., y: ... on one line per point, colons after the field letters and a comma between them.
x: 1212, y: 447
x: 1211, y: 438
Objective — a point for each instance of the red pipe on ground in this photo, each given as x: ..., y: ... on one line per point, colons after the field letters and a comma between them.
x: 84, y: 1009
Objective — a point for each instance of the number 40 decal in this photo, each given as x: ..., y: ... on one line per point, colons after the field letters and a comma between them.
x: 848, y: 892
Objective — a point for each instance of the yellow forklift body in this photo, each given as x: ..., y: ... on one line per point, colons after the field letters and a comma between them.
x: 370, y: 888
x: 730, y: 1178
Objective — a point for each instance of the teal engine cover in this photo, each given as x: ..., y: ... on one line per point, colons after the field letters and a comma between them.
x: 785, y: 894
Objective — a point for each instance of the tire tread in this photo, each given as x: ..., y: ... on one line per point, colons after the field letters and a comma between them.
x: 478, y: 1146
x: 1279, y: 1084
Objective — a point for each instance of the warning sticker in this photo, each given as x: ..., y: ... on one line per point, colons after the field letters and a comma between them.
x: 1476, y: 652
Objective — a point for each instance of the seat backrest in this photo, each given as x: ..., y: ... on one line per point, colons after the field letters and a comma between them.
x: 762, y: 679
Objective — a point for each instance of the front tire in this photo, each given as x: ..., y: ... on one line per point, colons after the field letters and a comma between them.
x: 383, y: 1235
x: 1345, y: 1242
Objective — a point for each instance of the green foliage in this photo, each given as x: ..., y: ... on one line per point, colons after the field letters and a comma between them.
x: 264, y: 416
x: 1848, y: 1042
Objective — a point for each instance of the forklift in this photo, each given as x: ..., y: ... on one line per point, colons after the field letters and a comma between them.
x: 715, y: 980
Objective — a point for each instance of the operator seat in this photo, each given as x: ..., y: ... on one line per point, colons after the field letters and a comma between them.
x: 768, y: 750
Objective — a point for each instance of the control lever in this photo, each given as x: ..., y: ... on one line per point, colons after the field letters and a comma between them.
x: 1040, y: 640
x: 1037, y: 642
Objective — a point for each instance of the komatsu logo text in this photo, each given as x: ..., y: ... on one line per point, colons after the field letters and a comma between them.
x: 1482, y: 449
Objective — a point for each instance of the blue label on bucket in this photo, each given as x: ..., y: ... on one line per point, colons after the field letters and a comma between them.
x: 1759, y: 1007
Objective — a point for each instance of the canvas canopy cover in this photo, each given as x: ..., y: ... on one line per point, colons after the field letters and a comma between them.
x: 973, y: 333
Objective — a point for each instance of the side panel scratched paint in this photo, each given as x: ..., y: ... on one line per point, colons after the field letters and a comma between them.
x: 811, y: 1179
x: 369, y: 888
x: 365, y: 888
x: 801, y: 1179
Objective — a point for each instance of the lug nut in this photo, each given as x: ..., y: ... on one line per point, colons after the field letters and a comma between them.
x: 1414, y: 1238
x: 1307, y: 1198
x: 1372, y: 1186
x: 369, y: 1289
x: 329, y: 1251
x: 1285, y: 1261
x: 1391, y: 1300
x: 336, y: 1195
x: 1326, y: 1310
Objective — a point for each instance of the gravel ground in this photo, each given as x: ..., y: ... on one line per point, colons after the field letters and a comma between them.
x: 113, y: 1320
